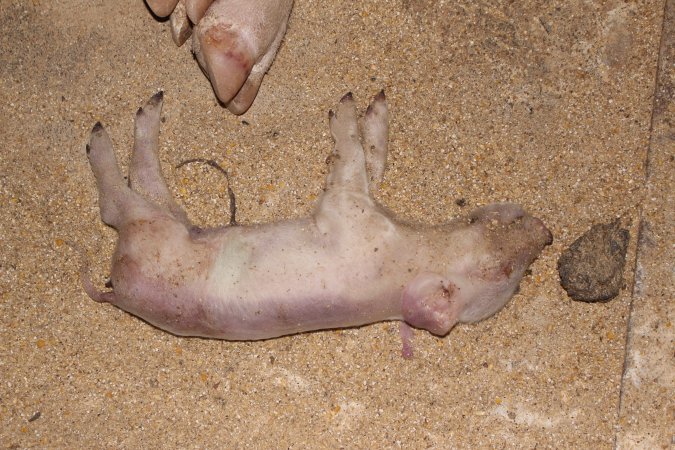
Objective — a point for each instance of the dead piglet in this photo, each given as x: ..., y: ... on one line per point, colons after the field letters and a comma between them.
x: 350, y: 263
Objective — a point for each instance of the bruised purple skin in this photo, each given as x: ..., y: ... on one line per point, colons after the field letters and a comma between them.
x: 350, y: 263
x: 234, y: 41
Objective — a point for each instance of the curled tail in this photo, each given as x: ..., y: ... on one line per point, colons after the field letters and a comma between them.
x: 85, y: 278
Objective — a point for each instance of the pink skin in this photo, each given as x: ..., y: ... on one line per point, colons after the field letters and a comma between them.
x: 349, y: 263
x: 234, y: 41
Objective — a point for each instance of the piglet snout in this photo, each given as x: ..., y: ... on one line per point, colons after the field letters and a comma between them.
x: 539, y: 229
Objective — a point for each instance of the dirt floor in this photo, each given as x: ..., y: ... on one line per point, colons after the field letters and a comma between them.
x: 565, y: 107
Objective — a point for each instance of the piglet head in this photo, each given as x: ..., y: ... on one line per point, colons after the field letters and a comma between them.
x: 503, y: 241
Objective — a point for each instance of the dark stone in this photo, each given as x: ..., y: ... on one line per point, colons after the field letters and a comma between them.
x: 591, y: 269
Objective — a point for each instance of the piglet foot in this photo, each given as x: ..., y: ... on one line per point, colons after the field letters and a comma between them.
x: 234, y: 41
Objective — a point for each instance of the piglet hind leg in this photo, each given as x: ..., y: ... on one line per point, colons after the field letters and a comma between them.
x: 145, y: 176
x: 116, y: 200
x: 139, y: 207
x: 146, y: 193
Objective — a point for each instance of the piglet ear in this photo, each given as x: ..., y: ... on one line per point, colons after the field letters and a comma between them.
x: 431, y: 302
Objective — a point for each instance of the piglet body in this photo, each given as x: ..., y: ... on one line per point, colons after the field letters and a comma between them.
x: 350, y: 263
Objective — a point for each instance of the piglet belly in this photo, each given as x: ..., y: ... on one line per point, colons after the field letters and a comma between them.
x: 265, y: 318
x: 293, y: 292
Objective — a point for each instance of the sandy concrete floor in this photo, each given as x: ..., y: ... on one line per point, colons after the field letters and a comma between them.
x: 564, y: 107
